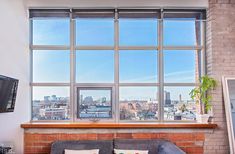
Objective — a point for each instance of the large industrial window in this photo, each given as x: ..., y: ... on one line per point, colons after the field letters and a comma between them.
x: 116, y: 65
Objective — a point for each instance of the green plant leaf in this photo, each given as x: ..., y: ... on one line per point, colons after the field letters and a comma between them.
x: 200, y: 93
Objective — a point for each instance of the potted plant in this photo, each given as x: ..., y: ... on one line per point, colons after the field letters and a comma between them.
x: 201, y: 96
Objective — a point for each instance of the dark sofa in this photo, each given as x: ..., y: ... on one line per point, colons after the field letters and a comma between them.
x: 106, y: 146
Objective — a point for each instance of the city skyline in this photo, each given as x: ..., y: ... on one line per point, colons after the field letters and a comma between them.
x: 98, y: 97
x: 57, y: 108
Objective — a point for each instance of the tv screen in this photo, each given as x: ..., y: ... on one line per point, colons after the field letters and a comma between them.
x: 8, y: 90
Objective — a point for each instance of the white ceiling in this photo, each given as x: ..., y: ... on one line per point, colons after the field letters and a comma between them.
x: 116, y: 3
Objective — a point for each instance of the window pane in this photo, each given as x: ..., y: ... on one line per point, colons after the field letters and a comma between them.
x: 138, y: 103
x: 178, y: 33
x: 95, y: 103
x: 178, y: 104
x: 95, y: 66
x: 181, y: 66
x: 99, y: 32
x: 51, y: 66
x: 51, y: 32
x: 138, y: 32
x: 51, y: 103
x: 138, y: 66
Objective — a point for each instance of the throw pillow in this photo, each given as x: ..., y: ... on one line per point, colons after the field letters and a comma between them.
x: 93, y: 151
x: 120, y: 151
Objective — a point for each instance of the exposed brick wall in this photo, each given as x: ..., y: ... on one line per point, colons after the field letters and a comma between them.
x: 192, y: 143
x: 220, y: 61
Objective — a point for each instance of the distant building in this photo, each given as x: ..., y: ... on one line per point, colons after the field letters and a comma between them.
x: 81, y: 99
x: 46, y: 98
x: 180, y: 98
x: 103, y: 99
x: 53, y: 113
x: 177, y: 117
x: 53, y: 98
x: 88, y: 100
x: 167, y: 98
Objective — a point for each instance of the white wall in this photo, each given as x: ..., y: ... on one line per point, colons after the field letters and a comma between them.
x: 117, y: 3
x: 14, y: 62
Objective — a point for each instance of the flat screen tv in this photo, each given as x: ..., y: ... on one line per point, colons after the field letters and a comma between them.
x: 8, y: 90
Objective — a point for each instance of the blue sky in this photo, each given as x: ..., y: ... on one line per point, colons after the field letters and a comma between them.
x: 98, y: 66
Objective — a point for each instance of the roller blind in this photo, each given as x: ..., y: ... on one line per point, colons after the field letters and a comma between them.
x: 179, y: 13
x: 93, y: 13
x: 139, y: 13
x: 49, y: 13
x: 122, y: 13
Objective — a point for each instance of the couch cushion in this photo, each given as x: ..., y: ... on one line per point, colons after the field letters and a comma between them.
x: 169, y: 148
x: 94, y: 151
x: 105, y: 147
x: 120, y: 151
x: 136, y: 144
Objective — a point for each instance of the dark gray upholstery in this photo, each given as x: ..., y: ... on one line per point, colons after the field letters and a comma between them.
x: 132, y: 144
x: 156, y: 146
x: 169, y: 148
x: 105, y: 147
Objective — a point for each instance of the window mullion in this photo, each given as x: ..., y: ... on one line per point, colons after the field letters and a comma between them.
x: 180, y: 84
x: 50, y: 47
x: 116, y: 65
x: 138, y: 48
x: 203, y: 51
x: 95, y: 48
x: 161, y: 71
x: 31, y: 65
x: 72, y: 68
x: 182, y: 47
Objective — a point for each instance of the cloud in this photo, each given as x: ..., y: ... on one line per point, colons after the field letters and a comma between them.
x: 180, y: 76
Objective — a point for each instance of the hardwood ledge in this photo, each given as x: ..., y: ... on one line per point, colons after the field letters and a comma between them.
x: 117, y: 126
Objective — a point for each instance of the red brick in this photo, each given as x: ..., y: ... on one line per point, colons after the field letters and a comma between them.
x: 41, y: 137
x: 50, y: 137
x: 92, y: 136
x: 185, y: 143
x: 181, y: 137
x: 164, y: 135
x: 124, y: 135
x: 41, y: 143
x: 194, y: 150
x: 105, y: 136
x: 29, y: 149
x: 199, y: 137
x: 183, y: 148
x: 141, y: 136
x: 155, y: 136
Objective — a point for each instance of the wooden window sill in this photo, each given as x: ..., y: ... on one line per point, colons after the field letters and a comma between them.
x: 117, y: 126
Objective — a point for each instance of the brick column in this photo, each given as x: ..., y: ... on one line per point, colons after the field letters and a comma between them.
x: 220, y: 61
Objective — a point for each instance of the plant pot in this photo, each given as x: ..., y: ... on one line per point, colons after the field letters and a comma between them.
x: 204, y: 118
